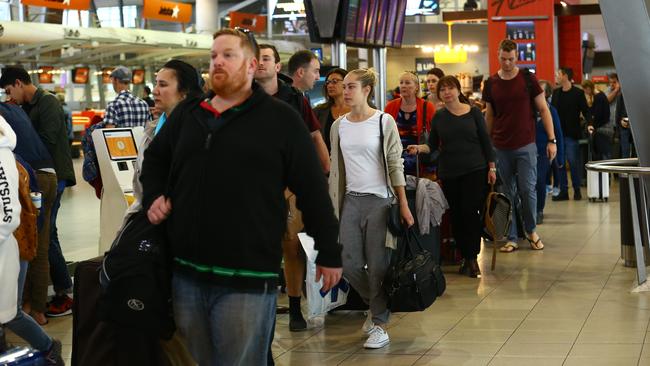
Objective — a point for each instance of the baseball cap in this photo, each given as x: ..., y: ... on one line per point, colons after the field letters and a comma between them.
x: 122, y: 74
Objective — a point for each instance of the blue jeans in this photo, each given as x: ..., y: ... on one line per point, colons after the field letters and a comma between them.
x: 24, y: 325
x: 58, y: 268
x: 625, y: 137
x: 222, y: 325
x: 543, y: 169
x: 572, y: 151
x: 518, y: 171
x: 555, y: 169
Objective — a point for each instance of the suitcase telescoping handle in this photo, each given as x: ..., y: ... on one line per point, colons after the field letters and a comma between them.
x: 493, y: 233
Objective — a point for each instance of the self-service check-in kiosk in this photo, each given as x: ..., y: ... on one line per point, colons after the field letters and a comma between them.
x: 117, y: 151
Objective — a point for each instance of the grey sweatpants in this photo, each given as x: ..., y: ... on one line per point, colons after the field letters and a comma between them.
x: 363, y: 237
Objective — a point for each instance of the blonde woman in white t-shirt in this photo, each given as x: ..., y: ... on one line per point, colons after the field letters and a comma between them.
x: 361, y: 192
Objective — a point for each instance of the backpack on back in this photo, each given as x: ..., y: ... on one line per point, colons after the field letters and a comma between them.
x: 27, y: 232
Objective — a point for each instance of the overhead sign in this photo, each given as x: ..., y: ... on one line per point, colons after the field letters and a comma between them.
x: 253, y: 22
x: 424, y: 64
x: 167, y: 11
x: 60, y: 4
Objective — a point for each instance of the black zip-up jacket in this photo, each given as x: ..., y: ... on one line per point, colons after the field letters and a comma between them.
x: 227, y: 189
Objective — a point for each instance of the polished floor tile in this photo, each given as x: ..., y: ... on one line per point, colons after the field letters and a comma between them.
x: 567, y: 305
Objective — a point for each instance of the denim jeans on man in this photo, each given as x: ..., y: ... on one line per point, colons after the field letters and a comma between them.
x: 625, y: 137
x: 543, y: 170
x: 58, y: 268
x: 222, y: 325
x: 572, y: 151
x: 24, y: 325
x: 518, y: 171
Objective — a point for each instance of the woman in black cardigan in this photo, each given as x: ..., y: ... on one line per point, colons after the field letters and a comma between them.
x: 466, y: 165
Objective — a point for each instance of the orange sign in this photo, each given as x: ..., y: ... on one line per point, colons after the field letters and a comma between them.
x: 60, y: 4
x: 253, y: 22
x: 167, y: 11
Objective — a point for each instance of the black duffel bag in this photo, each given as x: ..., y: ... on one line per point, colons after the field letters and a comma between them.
x: 414, y: 280
x: 136, y: 279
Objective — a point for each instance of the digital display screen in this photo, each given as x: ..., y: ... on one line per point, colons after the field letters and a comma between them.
x: 138, y: 76
x: 80, y: 75
x: 120, y: 144
x: 45, y: 77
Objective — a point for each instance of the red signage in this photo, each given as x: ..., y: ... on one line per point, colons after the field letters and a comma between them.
x: 600, y: 79
x: 167, y: 11
x: 60, y: 4
x: 253, y: 22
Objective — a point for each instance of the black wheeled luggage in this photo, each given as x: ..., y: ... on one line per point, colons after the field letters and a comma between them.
x: 99, y: 342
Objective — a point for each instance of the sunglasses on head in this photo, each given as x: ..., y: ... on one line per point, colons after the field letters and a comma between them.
x: 250, y: 36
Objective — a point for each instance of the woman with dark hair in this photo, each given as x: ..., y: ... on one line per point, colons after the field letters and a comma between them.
x: 413, y: 116
x: 333, y: 108
x: 175, y: 81
x: 433, y: 76
x: 601, y: 129
x: 466, y: 165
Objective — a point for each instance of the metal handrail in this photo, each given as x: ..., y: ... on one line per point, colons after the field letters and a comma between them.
x: 625, y: 166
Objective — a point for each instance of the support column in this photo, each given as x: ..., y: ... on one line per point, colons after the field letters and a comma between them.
x: 207, y: 16
x: 270, y: 6
x: 340, y: 54
x: 379, y: 60
x: 631, y: 67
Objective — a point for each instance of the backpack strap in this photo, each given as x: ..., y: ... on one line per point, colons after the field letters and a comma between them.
x: 530, y: 89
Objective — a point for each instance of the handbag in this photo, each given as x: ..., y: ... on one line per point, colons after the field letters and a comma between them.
x: 414, y: 280
x: 394, y: 221
x: 498, y: 217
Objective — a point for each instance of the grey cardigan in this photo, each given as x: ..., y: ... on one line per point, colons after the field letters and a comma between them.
x: 394, y: 161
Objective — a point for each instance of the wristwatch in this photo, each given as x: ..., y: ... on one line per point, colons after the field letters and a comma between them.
x: 552, y: 141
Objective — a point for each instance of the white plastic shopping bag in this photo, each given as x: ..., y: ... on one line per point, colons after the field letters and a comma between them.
x: 319, y: 302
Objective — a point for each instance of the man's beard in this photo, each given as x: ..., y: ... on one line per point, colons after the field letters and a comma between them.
x: 225, y: 85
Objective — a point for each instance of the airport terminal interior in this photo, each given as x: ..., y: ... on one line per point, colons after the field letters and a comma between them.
x: 582, y: 300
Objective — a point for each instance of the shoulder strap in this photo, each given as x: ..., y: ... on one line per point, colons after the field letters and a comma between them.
x: 530, y: 89
x: 383, y: 152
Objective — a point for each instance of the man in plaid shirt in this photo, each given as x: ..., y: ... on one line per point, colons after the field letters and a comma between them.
x: 126, y: 110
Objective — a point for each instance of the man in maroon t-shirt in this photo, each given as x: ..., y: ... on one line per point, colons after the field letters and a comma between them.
x: 513, y: 97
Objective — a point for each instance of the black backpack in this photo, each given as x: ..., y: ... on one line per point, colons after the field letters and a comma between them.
x: 136, y: 279
x: 414, y: 280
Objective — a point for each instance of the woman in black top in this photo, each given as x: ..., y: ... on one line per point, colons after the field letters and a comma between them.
x: 465, y: 166
x: 333, y: 107
x: 601, y: 130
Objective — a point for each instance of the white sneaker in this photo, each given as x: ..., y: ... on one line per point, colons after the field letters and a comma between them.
x: 378, y: 338
x: 368, y: 325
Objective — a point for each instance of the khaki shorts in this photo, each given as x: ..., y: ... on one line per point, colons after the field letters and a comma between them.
x: 294, y: 217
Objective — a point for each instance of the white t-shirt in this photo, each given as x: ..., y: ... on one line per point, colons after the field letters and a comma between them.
x: 361, y: 150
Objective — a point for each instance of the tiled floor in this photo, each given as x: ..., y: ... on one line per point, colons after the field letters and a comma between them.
x: 567, y: 305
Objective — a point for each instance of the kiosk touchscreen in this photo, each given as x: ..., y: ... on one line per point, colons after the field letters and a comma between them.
x: 117, y: 151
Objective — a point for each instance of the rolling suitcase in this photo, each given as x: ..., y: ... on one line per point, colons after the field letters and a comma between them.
x: 597, y: 182
x: 96, y: 341
x: 85, y: 317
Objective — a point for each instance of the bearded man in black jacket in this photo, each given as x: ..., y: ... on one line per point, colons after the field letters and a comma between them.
x: 216, y: 175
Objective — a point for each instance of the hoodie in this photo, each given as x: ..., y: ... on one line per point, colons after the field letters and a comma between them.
x: 9, y: 221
